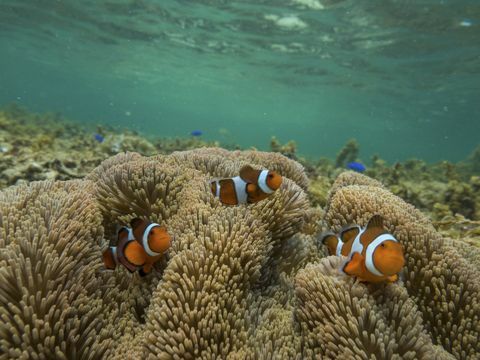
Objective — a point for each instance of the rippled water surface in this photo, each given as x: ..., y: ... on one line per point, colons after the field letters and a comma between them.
x: 403, y: 77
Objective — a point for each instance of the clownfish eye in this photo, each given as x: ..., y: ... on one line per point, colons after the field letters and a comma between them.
x: 382, y: 245
x: 270, y: 176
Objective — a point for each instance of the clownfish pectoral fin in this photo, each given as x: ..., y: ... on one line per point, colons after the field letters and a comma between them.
x: 376, y: 221
x: 249, y: 174
x: 135, y: 254
x: 392, y: 278
x: 147, y: 268
x: 251, y: 188
x: 330, y: 240
x: 354, y: 265
x: 142, y: 273
x: 349, y: 233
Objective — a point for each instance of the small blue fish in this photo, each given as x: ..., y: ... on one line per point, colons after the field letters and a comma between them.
x: 356, y: 166
x: 99, y: 138
x: 466, y: 23
x: 196, y: 133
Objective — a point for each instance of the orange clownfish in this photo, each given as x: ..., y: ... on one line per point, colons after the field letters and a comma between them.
x: 250, y: 187
x: 139, y: 247
x: 373, y: 254
x: 128, y: 252
x: 154, y: 239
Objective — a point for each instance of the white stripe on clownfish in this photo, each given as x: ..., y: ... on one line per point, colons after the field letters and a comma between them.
x: 357, y: 245
x: 262, y: 182
x: 240, y: 190
x: 130, y: 235
x: 371, y: 249
x: 217, y: 193
x: 114, y: 254
x: 146, y: 232
x: 340, y: 243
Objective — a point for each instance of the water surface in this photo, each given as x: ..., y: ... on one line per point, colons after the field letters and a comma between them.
x: 402, y: 77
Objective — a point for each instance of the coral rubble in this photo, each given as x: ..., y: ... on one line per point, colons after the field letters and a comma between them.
x: 50, y: 147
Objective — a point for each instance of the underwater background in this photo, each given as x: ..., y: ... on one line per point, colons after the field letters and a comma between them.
x: 138, y: 124
x: 401, y: 77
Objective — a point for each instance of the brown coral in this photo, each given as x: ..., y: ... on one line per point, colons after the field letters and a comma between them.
x: 50, y: 307
x: 218, y: 254
x: 240, y: 282
x: 196, y: 304
x: 444, y: 285
x: 341, y: 318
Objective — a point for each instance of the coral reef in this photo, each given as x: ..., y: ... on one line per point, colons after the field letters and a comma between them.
x: 319, y: 189
x: 442, y: 282
x: 473, y: 162
x: 348, y: 153
x: 289, y: 149
x: 459, y: 228
x: 439, y: 190
x: 245, y: 282
x: 48, y: 146
x: 51, y: 303
x: 219, y: 254
x: 342, y: 319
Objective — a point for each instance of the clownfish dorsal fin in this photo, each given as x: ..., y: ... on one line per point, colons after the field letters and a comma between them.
x: 349, y: 233
x: 134, y: 223
x: 249, y: 174
x: 376, y: 221
x: 354, y: 265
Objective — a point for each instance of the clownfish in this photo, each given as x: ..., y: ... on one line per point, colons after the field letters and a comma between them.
x: 373, y: 254
x: 139, y: 247
x: 128, y: 252
x: 250, y: 187
x: 154, y: 239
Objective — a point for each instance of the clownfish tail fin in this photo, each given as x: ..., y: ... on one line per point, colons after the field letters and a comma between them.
x: 349, y: 233
x: 109, y: 257
x: 213, y: 187
x: 331, y: 241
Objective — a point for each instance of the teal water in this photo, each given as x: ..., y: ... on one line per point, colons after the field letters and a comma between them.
x: 402, y: 77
